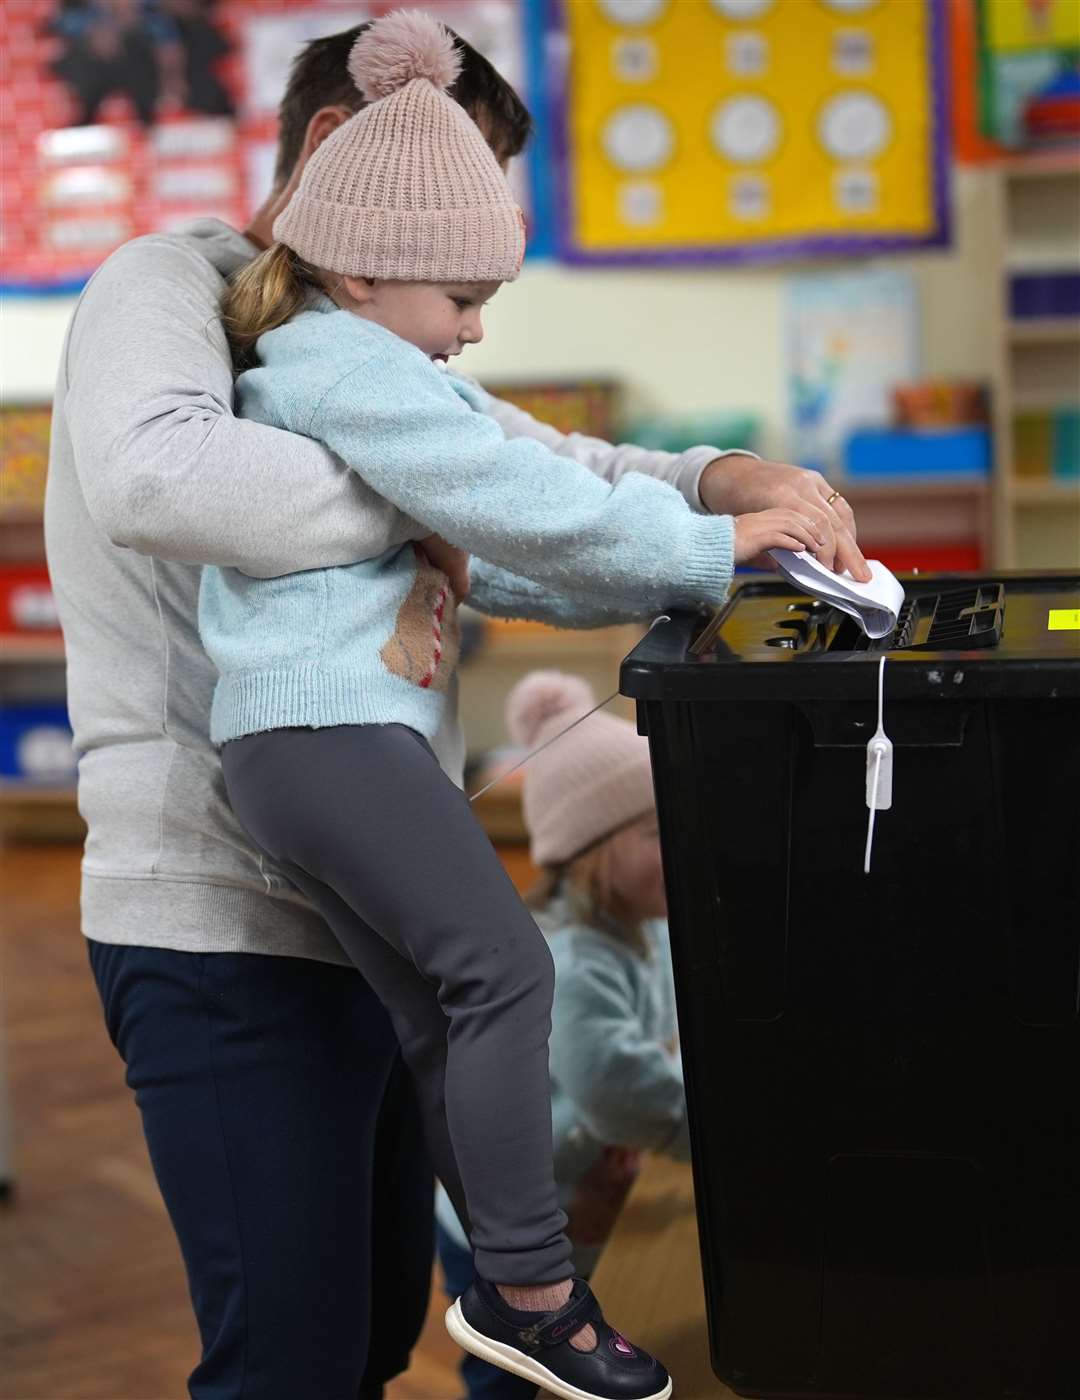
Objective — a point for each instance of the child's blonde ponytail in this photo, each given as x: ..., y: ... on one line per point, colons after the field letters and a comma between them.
x: 263, y: 295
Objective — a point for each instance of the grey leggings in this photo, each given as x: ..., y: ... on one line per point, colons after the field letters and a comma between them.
x: 364, y: 821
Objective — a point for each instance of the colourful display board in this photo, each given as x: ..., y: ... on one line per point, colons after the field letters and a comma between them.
x: 1029, y: 70
x: 119, y: 120
x: 751, y: 129
x: 851, y: 336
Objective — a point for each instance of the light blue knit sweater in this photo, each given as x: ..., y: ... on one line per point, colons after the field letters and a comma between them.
x: 376, y: 642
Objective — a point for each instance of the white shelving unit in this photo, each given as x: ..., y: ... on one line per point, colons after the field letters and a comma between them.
x: 1036, y: 224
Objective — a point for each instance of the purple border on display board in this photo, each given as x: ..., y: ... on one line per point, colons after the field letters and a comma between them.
x: 774, y: 250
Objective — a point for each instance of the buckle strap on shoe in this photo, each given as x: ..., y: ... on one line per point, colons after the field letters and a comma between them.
x: 560, y: 1326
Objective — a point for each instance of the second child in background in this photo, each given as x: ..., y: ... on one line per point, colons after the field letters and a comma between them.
x: 617, y: 1085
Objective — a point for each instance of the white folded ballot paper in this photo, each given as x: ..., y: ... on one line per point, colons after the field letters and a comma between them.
x: 875, y: 606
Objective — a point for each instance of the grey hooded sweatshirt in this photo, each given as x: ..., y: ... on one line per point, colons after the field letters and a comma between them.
x: 152, y: 476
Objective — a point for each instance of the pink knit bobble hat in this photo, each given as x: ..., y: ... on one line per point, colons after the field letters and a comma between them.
x: 587, y: 784
x: 407, y: 189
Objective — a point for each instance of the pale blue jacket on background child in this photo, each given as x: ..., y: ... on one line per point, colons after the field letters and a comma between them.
x: 616, y: 1075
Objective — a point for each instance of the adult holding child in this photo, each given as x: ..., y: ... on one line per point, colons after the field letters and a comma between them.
x: 279, y: 1119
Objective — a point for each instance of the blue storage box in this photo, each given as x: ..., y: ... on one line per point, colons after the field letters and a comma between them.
x: 949, y: 452
x: 36, y: 745
x: 1050, y: 293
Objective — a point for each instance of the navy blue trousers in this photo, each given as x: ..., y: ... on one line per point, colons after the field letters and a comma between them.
x: 286, y: 1140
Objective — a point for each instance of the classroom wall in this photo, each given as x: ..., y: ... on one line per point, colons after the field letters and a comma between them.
x: 688, y: 339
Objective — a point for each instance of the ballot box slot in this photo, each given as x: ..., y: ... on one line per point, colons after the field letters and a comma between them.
x: 961, y: 619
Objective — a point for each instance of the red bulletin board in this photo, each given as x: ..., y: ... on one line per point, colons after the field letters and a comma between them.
x: 71, y: 193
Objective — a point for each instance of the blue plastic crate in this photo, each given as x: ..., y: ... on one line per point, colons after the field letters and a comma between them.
x: 949, y: 452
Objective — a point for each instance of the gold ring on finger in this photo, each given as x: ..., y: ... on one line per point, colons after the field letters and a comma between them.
x: 834, y: 497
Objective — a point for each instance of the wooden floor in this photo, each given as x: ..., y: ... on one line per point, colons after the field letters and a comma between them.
x: 93, y: 1302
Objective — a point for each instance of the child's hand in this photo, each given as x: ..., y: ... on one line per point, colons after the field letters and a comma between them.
x: 452, y: 561
x: 776, y: 529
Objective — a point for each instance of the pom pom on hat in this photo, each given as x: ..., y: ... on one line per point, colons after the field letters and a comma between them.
x: 402, y: 46
x: 541, y: 697
x: 407, y: 189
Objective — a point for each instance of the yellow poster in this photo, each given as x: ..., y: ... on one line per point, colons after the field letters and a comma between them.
x: 743, y: 126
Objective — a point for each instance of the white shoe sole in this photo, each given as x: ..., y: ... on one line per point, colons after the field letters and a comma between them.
x: 510, y: 1359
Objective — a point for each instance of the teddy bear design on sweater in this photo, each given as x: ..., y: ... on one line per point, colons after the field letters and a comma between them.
x: 425, y: 643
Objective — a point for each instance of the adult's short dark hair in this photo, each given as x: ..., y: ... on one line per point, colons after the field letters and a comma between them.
x: 319, y: 77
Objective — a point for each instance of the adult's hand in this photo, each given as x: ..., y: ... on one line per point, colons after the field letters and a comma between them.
x: 738, y: 485
x: 452, y: 561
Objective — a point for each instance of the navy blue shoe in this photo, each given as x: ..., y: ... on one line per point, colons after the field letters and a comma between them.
x: 536, y: 1345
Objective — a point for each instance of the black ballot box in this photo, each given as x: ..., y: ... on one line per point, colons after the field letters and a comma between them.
x: 883, y: 1069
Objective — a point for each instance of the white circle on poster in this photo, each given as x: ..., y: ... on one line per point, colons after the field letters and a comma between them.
x: 741, y: 9
x: 641, y: 203
x: 854, y: 126
x: 853, y: 52
x: 746, y: 129
x: 746, y: 53
x: 856, y: 190
x: 748, y: 197
x: 638, y: 137
x: 634, y: 60
x: 633, y: 11
x: 849, y: 7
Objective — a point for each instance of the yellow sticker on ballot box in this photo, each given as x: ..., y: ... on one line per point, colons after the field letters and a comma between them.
x: 1063, y: 620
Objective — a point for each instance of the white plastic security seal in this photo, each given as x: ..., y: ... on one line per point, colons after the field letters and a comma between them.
x: 879, y: 769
